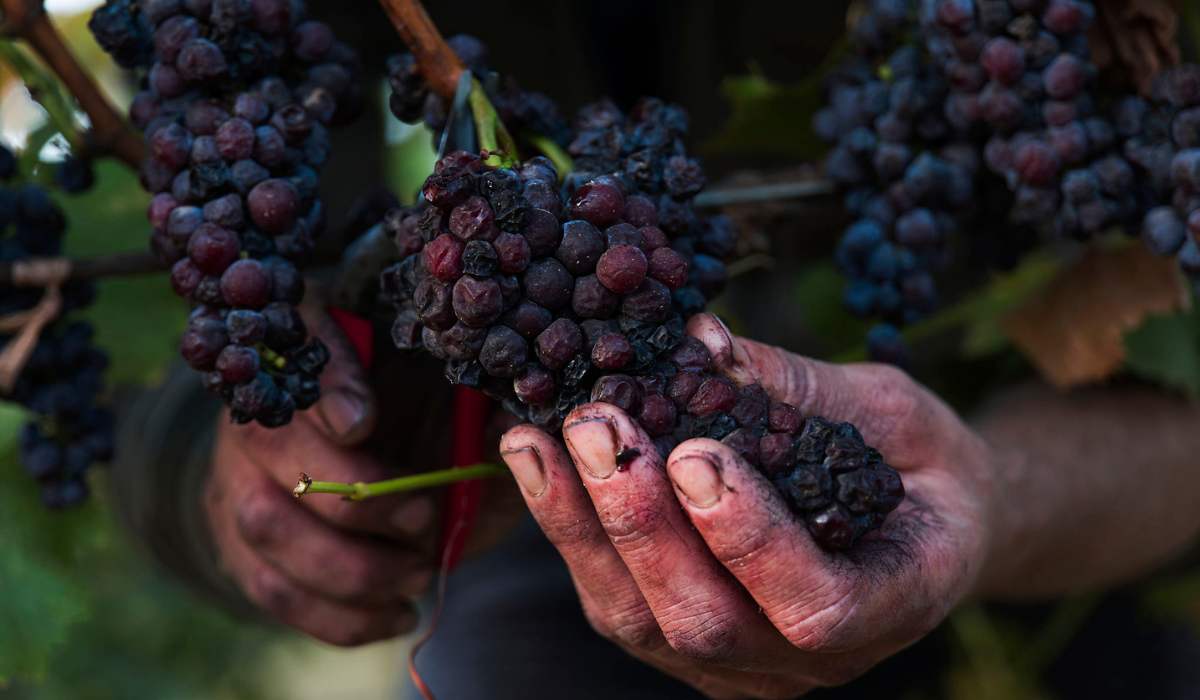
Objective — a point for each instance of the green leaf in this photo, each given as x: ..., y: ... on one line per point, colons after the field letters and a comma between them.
x: 980, y: 314
x: 41, y: 603
x: 1166, y: 350
x: 983, y: 313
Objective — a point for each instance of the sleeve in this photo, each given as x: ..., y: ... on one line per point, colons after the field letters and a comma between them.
x: 156, y: 483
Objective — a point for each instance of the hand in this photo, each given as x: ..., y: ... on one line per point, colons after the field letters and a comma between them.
x: 697, y: 566
x: 339, y: 571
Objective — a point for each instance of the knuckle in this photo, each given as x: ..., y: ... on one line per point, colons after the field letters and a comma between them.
x: 705, y: 638
x: 628, y: 526
x: 272, y: 592
x: 740, y: 548
x: 261, y: 519
x: 823, y: 628
x: 637, y: 632
x: 635, y: 628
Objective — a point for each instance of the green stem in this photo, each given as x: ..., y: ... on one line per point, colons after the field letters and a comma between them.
x: 493, y: 135
x: 994, y: 301
x: 549, y: 148
x: 359, y: 491
x: 45, y: 90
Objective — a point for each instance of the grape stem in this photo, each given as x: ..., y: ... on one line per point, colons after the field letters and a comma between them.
x: 110, y: 133
x: 439, y: 64
x: 44, y: 272
x: 764, y: 193
x: 360, y: 490
x: 493, y: 135
x: 18, y: 350
x: 561, y: 159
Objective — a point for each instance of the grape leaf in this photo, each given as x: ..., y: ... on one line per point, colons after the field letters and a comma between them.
x: 1166, y: 350
x: 1073, y: 329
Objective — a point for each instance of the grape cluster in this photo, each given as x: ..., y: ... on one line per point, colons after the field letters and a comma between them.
x: 1037, y: 103
x: 236, y: 105
x: 61, y: 380
x: 909, y: 173
x: 943, y: 102
x: 412, y: 101
x: 1168, y: 126
x: 547, y: 300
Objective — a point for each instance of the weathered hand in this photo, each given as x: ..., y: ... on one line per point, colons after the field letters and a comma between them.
x: 698, y: 567
x: 342, y: 572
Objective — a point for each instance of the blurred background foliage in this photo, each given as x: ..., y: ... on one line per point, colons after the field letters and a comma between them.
x: 83, y: 616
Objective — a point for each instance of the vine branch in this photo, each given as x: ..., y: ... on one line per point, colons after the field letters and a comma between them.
x: 439, y: 64
x: 110, y: 133
x: 44, y: 272
x: 360, y: 490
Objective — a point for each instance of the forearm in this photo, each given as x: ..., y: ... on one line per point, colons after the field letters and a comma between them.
x: 1092, y: 487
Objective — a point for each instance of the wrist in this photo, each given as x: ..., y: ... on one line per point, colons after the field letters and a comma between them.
x: 1008, y: 538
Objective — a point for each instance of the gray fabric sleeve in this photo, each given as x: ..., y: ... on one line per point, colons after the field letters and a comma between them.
x: 164, y: 449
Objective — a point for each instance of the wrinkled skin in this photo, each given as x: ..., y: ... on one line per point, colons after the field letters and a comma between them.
x: 343, y: 572
x: 696, y: 565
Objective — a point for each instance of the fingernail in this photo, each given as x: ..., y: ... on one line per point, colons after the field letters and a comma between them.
x: 414, y: 583
x: 527, y: 468
x: 698, y: 479
x: 411, y: 517
x: 594, y: 445
x: 342, y: 410
x: 740, y: 358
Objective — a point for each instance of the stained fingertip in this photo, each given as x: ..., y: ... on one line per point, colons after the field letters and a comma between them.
x: 593, y: 443
x: 698, y: 478
x: 527, y: 468
x: 520, y: 437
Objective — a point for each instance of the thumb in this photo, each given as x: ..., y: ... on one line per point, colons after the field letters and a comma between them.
x: 816, y: 388
x: 346, y: 412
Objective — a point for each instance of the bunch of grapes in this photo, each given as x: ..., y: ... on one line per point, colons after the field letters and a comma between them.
x: 1168, y: 126
x: 1034, y: 93
x: 974, y: 95
x: 546, y: 301
x: 62, y: 377
x: 412, y: 101
x: 238, y: 98
x: 908, y: 172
